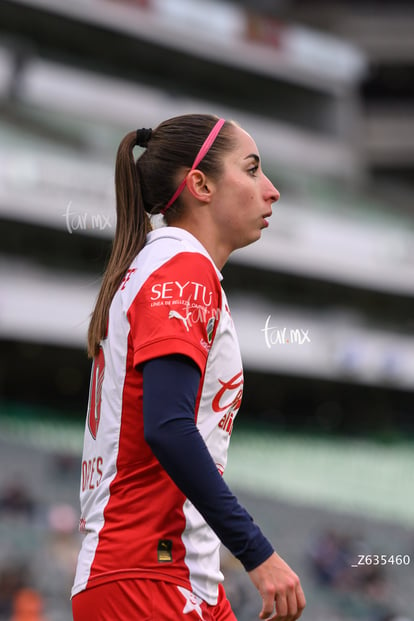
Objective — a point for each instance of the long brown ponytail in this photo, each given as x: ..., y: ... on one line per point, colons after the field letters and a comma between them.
x: 144, y: 187
x: 132, y: 227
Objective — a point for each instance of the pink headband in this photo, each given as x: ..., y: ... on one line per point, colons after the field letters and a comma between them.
x: 200, y: 155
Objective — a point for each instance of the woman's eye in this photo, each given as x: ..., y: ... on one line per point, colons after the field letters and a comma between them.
x: 253, y: 170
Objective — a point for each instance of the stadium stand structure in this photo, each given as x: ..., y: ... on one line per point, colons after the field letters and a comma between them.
x: 335, y: 268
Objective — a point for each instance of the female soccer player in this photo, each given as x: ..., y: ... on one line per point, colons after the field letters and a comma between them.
x: 166, y: 384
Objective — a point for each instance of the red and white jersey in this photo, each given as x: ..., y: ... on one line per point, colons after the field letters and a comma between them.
x: 137, y: 523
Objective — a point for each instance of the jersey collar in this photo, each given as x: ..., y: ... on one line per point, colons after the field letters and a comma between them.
x: 179, y: 234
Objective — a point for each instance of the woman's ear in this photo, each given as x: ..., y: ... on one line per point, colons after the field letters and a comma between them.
x: 199, y: 186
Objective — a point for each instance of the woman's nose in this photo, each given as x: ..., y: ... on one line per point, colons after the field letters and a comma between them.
x: 272, y: 193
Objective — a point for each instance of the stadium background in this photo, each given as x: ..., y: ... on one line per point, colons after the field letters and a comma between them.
x: 322, y: 452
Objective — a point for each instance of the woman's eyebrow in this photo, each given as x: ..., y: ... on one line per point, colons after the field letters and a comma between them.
x: 254, y: 156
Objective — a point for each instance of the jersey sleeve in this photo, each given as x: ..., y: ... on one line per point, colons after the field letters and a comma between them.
x: 176, y: 310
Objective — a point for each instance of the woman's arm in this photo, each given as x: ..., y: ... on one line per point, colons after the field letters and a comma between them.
x: 170, y: 390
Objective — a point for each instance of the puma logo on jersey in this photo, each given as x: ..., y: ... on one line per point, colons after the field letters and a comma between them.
x: 164, y: 551
x: 175, y: 315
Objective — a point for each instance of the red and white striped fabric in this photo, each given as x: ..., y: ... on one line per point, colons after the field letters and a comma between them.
x: 137, y: 523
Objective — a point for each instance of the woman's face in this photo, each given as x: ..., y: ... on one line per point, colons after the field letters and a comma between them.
x: 243, y: 195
